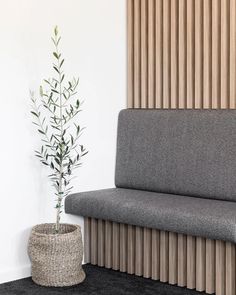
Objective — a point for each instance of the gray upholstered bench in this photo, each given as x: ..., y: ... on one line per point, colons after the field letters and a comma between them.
x: 172, y: 215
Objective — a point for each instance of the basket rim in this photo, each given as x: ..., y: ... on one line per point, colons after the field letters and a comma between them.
x: 35, y: 232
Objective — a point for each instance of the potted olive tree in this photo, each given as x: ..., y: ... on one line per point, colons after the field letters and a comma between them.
x: 56, y: 249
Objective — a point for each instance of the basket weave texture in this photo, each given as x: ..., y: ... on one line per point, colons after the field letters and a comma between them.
x: 56, y: 258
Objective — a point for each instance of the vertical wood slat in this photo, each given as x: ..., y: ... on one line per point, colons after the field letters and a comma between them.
x: 101, y: 243
x: 159, y: 54
x: 137, y: 55
x: 198, y: 54
x: 144, y: 53
x: 182, y: 260
x: 215, y: 54
x: 130, y: 53
x: 173, y: 258
x: 182, y: 54
x: 164, y: 256
x: 115, y: 246
x: 200, y: 264
x: 190, y: 53
x: 131, y: 249
x: 191, y: 262
x: 155, y: 254
x: 147, y: 252
x: 230, y: 287
x: 94, y: 241
x: 232, y: 57
x: 174, y: 54
x: 210, y: 266
x: 166, y: 54
x: 108, y: 244
x: 224, y: 55
x: 87, y: 240
x: 220, y: 268
x: 123, y: 247
x: 151, y: 53
x: 207, y: 54
x: 138, y: 251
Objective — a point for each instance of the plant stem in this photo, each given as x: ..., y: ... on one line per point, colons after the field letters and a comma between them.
x: 60, y: 196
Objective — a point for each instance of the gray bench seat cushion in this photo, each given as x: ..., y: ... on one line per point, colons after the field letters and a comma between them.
x: 213, y: 219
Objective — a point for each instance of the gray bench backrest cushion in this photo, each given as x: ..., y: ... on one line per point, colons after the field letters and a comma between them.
x: 186, y: 152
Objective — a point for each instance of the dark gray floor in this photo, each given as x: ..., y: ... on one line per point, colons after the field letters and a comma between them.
x: 99, y: 281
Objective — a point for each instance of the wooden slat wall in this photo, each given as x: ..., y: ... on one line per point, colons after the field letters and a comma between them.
x: 182, y: 54
x: 192, y: 262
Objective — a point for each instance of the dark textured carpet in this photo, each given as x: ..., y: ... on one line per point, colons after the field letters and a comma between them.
x: 99, y: 281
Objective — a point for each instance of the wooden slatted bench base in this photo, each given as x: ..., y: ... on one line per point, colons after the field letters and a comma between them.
x: 187, y: 261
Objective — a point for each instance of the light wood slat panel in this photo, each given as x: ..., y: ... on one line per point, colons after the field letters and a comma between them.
x: 232, y: 62
x: 210, y: 266
x: 230, y: 269
x: 166, y: 54
x: 216, y: 54
x: 207, y: 54
x: 195, y: 39
x: 101, y: 243
x: 138, y: 251
x: 123, y: 247
x: 198, y: 53
x: 164, y: 256
x: 224, y: 55
x: 137, y: 55
x: 182, y: 54
x: 155, y: 254
x: 190, y: 53
x: 191, y: 262
x: 94, y: 241
x: 200, y: 264
x: 220, y: 268
x: 130, y: 53
x: 108, y: 244
x: 159, y: 53
x: 131, y: 250
x: 87, y: 240
x: 173, y: 258
x: 174, y: 54
x: 115, y: 246
x: 182, y: 260
x: 147, y: 252
x: 215, y: 261
x: 151, y: 53
x: 144, y: 54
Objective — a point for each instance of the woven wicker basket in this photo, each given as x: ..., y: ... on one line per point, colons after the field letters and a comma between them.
x: 56, y: 258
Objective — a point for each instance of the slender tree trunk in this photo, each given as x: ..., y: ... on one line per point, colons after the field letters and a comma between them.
x: 58, y: 220
x: 59, y: 206
x: 60, y: 196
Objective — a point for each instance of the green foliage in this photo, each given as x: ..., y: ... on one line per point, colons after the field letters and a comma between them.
x: 54, y: 113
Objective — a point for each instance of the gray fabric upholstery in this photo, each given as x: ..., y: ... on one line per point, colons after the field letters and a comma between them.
x: 186, y: 152
x: 175, y: 171
x: 208, y: 218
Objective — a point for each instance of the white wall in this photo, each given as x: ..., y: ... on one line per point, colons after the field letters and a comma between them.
x: 94, y: 45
